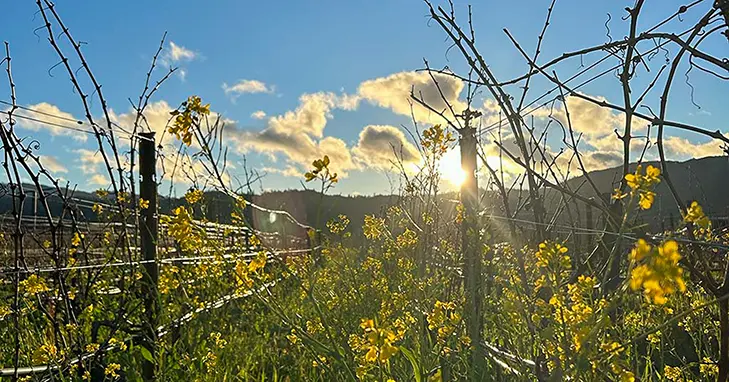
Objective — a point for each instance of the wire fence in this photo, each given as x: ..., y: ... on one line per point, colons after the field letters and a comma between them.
x: 226, y: 243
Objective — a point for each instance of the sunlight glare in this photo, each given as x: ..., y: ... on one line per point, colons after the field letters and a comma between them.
x: 450, y: 168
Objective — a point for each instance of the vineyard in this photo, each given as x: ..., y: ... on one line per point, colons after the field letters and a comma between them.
x: 544, y: 274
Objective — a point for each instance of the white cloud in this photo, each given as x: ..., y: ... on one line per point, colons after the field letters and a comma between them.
x: 156, y: 118
x: 175, y: 55
x: 258, y: 114
x: 299, y: 134
x: 311, y: 115
x: 52, y: 164
x: 393, y: 92
x: 682, y: 148
x: 90, y: 161
x: 247, y: 86
x: 99, y: 180
x: 337, y: 150
x: 178, y: 53
x: 56, y: 117
x: 381, y: 145
x: 289, y: 171
x: 91, y: 166
x: 593, y: 120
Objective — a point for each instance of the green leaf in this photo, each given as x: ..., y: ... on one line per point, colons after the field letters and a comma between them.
x: 414, y: 362
x: 326, y: 160
x: 146, y: 354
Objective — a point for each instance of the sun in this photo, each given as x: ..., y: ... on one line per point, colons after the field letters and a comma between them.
x: 451, y: 171
x: 450, y: 168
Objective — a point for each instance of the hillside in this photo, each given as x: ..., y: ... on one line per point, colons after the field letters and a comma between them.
x: 704, y: 180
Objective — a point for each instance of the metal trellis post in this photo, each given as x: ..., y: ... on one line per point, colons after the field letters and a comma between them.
x: 148, y: 238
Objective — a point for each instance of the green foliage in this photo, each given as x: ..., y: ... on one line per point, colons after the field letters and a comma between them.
x: 382, y: 304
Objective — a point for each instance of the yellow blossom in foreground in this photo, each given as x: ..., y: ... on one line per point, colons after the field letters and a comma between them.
x: 257, y: 263
x: 182, y: 228
x: 192, y: 110
x: 122, y: 346
x: 4, y: 311
x: 143, y: 204
x: 373, y: 227
x: 627, y: 376
x: 376, y: 343
x: 34, y: 285
x: 338, y: 225
x: 695, y: 214
x: 111, y: 370
x: 658, y: 273
x: 672, y: 373
x: 45, y: 353
x: 193, y: 196
x: 708, y: 367
x: 76, y: 239
x: 641, y: 184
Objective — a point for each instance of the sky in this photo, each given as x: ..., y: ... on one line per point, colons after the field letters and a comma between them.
x: 299, y: 79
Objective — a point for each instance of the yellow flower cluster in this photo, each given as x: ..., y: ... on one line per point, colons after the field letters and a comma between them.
x: 168, y: 281
x: 443, y: 319
x: 75, y: 243
x: 210, y: 360
x: 338, y: 225
x: 695, y: 215
x: 577, y: 311
x: 34, y: 285
x: 321, y: 170
x: 407, y: 239
x: 642, y: 185
x: 183, y: 230
x: 376, y: 343
x: 45, y: 353
x: 257, y: 263
x: 143, y: 204
x: 244, y: 270
x: 293, y: 338
x: 672, y: 373
x: 111, y: 370
x: 658, y: 272
x: 193, y: 196
x: 436, y: 140
x: 373, y: 227
x: 553, y: 258
x: 219, y: 342
x: 4, y: 311
x: 122, y: 197
x: 115, y: 342
x: 192, y: 109
x: 617, y: 366
x: 708, y: 367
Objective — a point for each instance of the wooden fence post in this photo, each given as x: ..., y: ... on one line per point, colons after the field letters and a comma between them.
x: 148, y: 239
x: 471, y: 247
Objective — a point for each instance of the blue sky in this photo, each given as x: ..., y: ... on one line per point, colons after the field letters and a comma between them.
x: 288, y: 49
